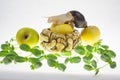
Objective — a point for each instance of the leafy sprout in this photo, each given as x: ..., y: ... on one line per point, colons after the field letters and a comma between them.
x: 85, y: 53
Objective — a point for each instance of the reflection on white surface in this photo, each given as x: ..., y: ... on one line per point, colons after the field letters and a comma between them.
x: 52, y: 76
x: 15, y: 14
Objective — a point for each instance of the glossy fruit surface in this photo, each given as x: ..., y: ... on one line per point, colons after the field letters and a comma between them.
x: 62, y: 28
x: 27, y: 36
x: 90, y: 35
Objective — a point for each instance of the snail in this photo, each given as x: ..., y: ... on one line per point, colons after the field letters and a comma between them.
x: 73, y: 17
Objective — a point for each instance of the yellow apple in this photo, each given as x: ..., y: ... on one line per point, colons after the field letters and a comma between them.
x: 90, y: 35
x: 27, y: 36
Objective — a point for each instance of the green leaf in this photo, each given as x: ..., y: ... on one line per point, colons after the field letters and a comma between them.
x: 86, y: 59
x: 113, y: 64
x: 36, y: 65
x: 33, y: 60
x: 80, y: 50
x: 51, y: 56
x: 57, y: 54
x: 89, y: 48
x: 11, y: 55
x: 90, y: 56
x: 5, y: 47
x: 25, y: 47
x: 75, y: 59
x: 12, y: 47
x: 20, y: 59
x: 3, y: 53
x: 100, y: 51
x: 88, y: 67
x: 98, y: 43
x: 67, y: 60
x: 61, y: 67
x: 12, y: 39
x: 105, y: 58
x: 96, y: 71
x: 7, y: 60
x: 111, y: 53
x: 42, y: 51
x: 51, y: 62
x: 35, y: 47
x: 36, y: 52
x: 105, y: 47
x: 66, y: 53
x: 94, y: 63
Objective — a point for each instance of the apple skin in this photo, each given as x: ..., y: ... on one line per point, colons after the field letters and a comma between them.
x: 27, y: 36
x: 90, y: 35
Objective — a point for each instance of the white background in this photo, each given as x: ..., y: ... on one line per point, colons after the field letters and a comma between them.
x: 15, y: 14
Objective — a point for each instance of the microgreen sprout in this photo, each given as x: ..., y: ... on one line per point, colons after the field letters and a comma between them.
x: 85, y: 53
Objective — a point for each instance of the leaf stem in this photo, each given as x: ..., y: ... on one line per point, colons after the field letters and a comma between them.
x: 103, y: 66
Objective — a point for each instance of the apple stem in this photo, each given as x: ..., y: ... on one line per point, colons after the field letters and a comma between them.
x: 25, y: 37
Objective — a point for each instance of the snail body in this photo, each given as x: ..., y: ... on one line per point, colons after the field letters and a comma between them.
x: 72, y: 17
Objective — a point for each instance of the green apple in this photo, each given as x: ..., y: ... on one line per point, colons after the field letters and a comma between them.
x: 27, y: 36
